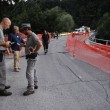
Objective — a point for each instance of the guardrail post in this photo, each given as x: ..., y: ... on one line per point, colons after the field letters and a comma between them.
x: 106, y: 49
x: 95, y: 39
x: 107, y: 42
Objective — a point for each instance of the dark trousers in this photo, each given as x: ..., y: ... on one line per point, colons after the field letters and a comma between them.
x: 45, y: 45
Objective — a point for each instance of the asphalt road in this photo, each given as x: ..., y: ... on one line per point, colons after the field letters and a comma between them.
x: 65, y: 83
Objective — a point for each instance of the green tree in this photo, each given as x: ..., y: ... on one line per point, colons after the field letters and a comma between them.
x: 58, y: 20
x: 50, y: 18
x: 65, y: 23
x: 29, y: 12
x: 104, y: 27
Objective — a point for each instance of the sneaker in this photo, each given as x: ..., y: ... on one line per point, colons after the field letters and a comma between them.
x: 7, y: 87
x: 16, y: 70
x: 28, y: 92
x: 5, y: 93
x: 19, y: 68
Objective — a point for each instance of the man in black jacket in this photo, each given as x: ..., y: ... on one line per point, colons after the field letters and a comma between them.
x: 45, y: 40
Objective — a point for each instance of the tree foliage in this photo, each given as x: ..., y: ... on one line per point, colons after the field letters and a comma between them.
x: 104, y: 27
x: 65, y: 22
x: 41, y: 19
x: 55, y: 14
x: 58, y: 20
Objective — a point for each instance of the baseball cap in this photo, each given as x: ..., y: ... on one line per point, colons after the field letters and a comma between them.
x: 15, y: 27
x: 24, y: 25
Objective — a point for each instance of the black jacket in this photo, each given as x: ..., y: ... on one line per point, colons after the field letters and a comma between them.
x: 45, y: 37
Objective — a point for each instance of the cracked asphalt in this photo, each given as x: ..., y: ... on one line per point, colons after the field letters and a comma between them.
x: 65, y: 83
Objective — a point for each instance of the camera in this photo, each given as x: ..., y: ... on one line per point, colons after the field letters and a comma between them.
x: 31, y: 56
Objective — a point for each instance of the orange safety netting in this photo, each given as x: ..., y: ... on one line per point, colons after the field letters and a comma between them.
x: 97, y: 55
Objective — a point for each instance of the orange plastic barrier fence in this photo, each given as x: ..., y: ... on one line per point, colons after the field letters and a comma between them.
x: 81, y: 33
x: 97, y: 55
x: 40, y: 36
x: 101, y: 49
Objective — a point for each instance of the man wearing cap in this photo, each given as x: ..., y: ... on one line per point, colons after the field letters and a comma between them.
x: 33, y: 44
x: 5, y: 24
x: 16, y: 41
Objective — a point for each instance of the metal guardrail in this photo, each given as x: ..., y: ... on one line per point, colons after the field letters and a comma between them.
x: 96, y: 40
x: 101, y: 46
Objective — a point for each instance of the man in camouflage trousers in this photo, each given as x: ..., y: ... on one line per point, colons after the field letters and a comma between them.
x: 33, y: 44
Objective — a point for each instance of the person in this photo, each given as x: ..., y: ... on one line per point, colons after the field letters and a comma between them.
x: 57, y: 34
x: 45, y: 40
x: 33, y: 44
x: 5, y: 24
x: 16, y: 42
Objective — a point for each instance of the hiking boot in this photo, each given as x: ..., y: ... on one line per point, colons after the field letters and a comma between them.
x: 35, y: 87
x: 5, y: 93
x: 45, y: 53
x: 28, y: 92
x: 46, y: 50
x: 7, y: 87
